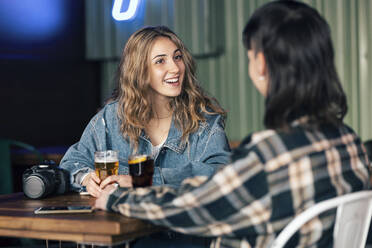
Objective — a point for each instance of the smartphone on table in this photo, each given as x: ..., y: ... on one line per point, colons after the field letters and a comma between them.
x: 63, y: 209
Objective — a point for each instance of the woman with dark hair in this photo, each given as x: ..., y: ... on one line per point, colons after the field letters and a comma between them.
x: 299, y: 66
x: 306, y: 154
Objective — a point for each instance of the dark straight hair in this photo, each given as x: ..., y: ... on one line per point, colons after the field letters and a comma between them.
x: 296, y: 43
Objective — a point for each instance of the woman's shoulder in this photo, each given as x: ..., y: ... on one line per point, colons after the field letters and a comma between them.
x: 299, y: 137
x: 214, y: 120
x: 107, y: 113
x: 211, y: 123
x: 111, y: 108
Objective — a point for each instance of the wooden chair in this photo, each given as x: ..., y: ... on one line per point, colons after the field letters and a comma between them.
x: 234, y: 144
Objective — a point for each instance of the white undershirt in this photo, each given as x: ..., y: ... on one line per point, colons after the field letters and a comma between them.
x: 156, y: 149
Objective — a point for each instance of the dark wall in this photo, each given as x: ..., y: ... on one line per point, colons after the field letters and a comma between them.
x: 47, y: 103
x: 48, y: 91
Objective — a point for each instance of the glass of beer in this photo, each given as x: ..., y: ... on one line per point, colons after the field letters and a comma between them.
x: 141, y: 168
x: 106, y: 163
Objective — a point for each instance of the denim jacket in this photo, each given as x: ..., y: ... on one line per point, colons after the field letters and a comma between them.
x: 206, y: 150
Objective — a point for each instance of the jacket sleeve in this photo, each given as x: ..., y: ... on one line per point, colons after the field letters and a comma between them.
x: 79, y: 158
x: 213, y: 150
x: 222, y: 205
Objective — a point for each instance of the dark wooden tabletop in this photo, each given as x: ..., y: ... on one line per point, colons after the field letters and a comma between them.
x: 17, y: 219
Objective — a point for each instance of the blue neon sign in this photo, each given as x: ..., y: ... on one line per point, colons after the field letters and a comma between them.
x: 129, y: 13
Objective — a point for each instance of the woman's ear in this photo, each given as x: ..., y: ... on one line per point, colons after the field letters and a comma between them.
x: 263, y: 80
x: 261, y: 64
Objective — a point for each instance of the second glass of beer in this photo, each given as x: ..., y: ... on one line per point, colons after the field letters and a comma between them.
x: 141, y: 168
x: 106, y: 163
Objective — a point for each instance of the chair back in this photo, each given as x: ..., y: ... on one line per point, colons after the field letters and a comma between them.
x: 6, y: 179
x: 6, y: 175
x: 353, y: 217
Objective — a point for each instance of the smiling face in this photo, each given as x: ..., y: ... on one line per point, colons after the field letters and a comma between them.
x: 166, y: 69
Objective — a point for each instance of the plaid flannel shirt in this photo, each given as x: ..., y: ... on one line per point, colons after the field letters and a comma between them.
x: 273, y: 177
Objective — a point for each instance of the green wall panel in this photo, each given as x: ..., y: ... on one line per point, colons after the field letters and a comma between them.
x: 212, y: 29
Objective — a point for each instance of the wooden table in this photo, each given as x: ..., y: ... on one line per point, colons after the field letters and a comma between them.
x: 17, y: 219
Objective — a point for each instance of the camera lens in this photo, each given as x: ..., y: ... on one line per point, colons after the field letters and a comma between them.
x: 34, y: 187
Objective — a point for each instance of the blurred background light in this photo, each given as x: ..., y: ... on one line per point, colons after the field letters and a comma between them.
x: 123, y: 10
x: 30, y: 20
x: 34, y: 29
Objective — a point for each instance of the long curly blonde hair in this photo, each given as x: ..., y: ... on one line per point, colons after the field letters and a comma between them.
x: 132, y: 92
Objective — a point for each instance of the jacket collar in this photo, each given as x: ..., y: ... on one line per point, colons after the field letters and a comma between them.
x: 174, y: 141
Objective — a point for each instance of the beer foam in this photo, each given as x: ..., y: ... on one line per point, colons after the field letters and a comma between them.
x: 105, y: 160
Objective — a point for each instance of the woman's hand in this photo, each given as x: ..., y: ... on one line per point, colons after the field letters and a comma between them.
x: 122, y: 180
x: 103, y: 197
x: 92, y: 182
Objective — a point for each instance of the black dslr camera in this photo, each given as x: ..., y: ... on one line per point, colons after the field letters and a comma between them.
x: 42, y: 180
